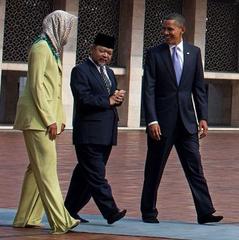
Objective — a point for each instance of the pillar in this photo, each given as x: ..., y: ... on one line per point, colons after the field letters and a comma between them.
x: 131, y: 42
x: 69, y: 57
x: 195, y: 12
x: 2, y: 17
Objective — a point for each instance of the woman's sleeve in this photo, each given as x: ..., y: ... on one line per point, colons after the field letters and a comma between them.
x: 37, y: 62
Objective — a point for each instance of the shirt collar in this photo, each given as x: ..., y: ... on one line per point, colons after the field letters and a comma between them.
x: 93, y: 62
x: 97, y: 66
x: 179, y: 46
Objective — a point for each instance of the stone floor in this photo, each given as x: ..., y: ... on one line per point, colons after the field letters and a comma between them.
x: 220, y: 156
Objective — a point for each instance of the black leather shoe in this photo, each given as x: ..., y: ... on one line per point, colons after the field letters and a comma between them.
x: 150, y: 220
x: 117, y: 216
x: 82, y: 220
x: 209, y: 219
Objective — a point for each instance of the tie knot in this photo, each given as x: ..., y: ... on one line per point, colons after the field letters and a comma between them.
x: 101, y: 68
x: 175, y: 52
x: 175, y: 49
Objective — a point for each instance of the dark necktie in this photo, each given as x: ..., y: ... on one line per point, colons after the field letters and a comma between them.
x: 177, y: 65
x: 105, y: 78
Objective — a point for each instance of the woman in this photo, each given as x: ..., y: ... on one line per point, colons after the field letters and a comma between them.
x: 40, y: 116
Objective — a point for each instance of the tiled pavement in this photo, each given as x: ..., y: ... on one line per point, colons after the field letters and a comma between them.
x: 220, y: 154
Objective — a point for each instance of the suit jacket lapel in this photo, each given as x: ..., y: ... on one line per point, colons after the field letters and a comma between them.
x: 166, y: 56
x: 186, y: 59
x: 169, y: 63
x: 59, y: 65
x: 97, y: 75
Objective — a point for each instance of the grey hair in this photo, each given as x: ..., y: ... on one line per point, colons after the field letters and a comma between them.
x: 178, y: 18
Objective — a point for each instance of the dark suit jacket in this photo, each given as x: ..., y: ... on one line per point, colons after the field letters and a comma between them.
x: 94, y: 121
x: 164, y: 99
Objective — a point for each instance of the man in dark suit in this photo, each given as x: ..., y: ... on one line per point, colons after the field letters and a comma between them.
x: 173, y: 73
x: 96, y: 97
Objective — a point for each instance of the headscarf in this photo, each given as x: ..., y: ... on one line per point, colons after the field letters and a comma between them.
x: 57, y: 26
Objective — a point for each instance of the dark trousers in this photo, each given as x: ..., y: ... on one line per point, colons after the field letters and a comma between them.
x: 88, y: 180
x: 187, y: 147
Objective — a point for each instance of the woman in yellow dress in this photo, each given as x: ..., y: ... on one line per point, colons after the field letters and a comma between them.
x: 40, y: 116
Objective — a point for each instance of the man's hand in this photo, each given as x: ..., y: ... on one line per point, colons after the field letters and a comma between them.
x: 117, y: 98
x: 154, y: 131
x: 202, y: 129
x: 62, y: 128
x: 52, y: 131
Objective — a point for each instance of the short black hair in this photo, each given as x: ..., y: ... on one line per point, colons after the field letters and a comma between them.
x: 180, y: 19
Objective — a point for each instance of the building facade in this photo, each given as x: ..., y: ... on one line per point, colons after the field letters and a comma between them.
x: 136, y: 25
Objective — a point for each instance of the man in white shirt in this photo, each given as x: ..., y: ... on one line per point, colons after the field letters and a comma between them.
x: 173, y: 73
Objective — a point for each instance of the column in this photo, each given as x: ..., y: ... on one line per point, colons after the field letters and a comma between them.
x: 195, y: 12
x: 2, y: 17
x: 131, y: 40
x: 69, y: 58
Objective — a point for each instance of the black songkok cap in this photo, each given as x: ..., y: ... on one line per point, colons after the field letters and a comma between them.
x: 104, y: 40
